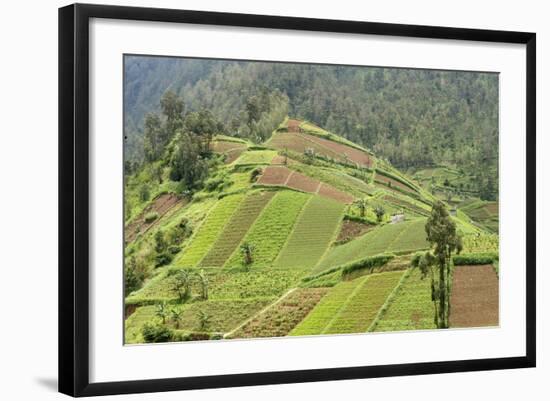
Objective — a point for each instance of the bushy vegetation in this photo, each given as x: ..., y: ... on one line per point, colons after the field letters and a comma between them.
x: 475, y: 259
x: 368, y: 263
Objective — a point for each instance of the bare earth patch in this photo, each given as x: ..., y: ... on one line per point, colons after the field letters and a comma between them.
x: 293, y: 126
x: 224, y: 146
x: 391, y: 183
x: 303, y: 183
x: 274, y: 175
x: 281, y: 175
x: 354, y: 155
x: 352, y: 229
x: 161, y: 205
x: 474, y: 297
x: 233, y: 154
x: 331, y: 192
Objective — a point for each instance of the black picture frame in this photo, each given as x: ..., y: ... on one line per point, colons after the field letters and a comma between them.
x: 74, y: 198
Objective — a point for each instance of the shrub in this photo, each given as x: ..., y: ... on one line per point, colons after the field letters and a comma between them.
x: 150, y: 217
x: 156, y: 333
x: 366, y: 263
x: 475, y: 259
x: 174, y: 249
x: 163, y: 259
x: 254, y: 174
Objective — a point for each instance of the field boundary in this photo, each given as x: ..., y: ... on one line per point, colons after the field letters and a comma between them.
x: 277, y: 301
x: 389, y: 300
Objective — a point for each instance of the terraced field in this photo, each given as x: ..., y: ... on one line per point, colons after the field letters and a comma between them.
x: 402, y: 237
x: 298, y: 215
x: 236, y: 228
x: 271, y: 229
x: 350, y: 307
x: 411, y: 308
x: 315, y: 229
x: 299, y: 143
x: 274, y: 175
x: 223, y: 316
x: 283, y: 316
x: 474, y: 297
x: 256, y: 157
x: 209, y: 231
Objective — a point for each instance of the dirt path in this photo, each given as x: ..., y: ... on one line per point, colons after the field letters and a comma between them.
x: 474, y: 297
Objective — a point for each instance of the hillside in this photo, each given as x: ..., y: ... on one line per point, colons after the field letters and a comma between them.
x: 274, y: 241
x: 414, y: 118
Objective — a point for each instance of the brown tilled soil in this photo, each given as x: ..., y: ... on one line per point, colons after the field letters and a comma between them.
x: 293, y: 126
x: 161, y: 205
x: 331, y: 192
x: 303, y: 183
x: 279, y: 160
x: 474, y: 297
x: 390, y: 183
x: 352, y: 229
x: 492, y: 208
x: 233, y: 154
x: 354, y: 155
x: 281, y: 175
x: 299, y: 143
x: 224, y: 146
x: 274, y: 175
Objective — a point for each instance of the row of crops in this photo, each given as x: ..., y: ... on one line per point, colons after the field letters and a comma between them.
x: 209, y: 230
x: 401, y: 237
x: 313, y: 233
x: 271, y: 229
x: 236, y: 228
x: 351, y: 306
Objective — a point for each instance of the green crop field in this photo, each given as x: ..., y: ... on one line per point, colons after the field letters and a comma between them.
x: 407, y: 236
x: 209, y: 231
x: 411, y: 308
x: 236, y: 228
x: 271, y: 229
x: 222, y: 316
x: 315, y: 228
x: 350, y: 307
x: 256, y: 157
x: 223, y: 284
x: 283, y: 316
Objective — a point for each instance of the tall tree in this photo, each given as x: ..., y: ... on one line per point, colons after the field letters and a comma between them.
x: 444, y: 240
x: 172, y: 107
x: 186, y: 163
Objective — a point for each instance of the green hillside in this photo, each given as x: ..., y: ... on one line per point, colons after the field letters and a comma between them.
x: 304, y: 233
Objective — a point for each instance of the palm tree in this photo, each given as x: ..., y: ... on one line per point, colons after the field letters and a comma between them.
x: 162, y: 311
x: 175, y: 314
x: 204, y: 320
x: 361, y: 205
x: 182, y: 284
x: 203, y: 278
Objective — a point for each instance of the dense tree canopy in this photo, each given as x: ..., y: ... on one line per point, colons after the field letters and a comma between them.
x: 414, y: 118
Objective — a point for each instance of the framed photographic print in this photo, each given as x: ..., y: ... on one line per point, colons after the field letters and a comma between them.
x: 249, y: 199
